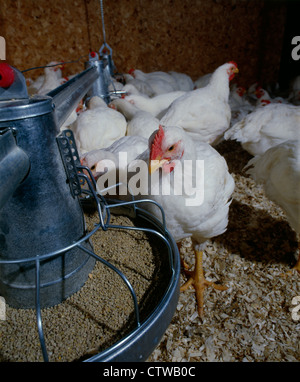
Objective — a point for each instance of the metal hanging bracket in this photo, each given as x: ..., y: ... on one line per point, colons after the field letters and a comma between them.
x: 105, y: 48
x: 70, y: 159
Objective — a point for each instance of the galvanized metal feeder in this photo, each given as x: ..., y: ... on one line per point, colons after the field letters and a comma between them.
x: 45, y: 249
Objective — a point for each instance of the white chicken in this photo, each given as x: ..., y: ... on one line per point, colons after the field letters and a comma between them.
x: 204, y: 112
x: 130, y: 89
x: 104, y: 160
x: 98, y: 126
x: 69, y: 121
x: 202, y: 81
x: 239, y: 104
x: 52, y: 79
x: 125, y: 90
x: 264, y: 98
x: 200, y: 212
x: 251, y: 92
x: 266, y: 127
x: 237, y: 97
x: 142, y: 86
x: 139, y: 122
x: 34, y: 86
x: 183, y: 81
x: 155, y: 105
x: 278, y: 170
x: 160, y: 82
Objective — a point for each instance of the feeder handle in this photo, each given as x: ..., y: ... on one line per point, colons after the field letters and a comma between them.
x: 7, y: 75
x: 105, y: 45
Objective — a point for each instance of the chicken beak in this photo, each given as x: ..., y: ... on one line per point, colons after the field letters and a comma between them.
x: 156, y: 164
x: 59, y: 66
x: 236, y: 70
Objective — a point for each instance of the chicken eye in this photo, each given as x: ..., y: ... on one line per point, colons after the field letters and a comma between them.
x: 93, y: 167
x: 171, y: 148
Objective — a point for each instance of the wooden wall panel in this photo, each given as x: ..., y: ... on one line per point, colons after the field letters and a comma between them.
x: 191, y: 36
x: 38, y: 32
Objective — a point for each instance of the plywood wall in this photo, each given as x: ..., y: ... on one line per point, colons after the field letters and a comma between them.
x: 191, y: 36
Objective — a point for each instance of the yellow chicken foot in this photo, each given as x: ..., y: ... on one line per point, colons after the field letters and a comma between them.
x: 199, y: 282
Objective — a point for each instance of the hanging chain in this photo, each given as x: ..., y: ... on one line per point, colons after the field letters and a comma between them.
x: 103, y: 26
x: 110, y: 62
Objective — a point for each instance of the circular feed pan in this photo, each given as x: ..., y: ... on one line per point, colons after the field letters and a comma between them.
x: 98, y: 323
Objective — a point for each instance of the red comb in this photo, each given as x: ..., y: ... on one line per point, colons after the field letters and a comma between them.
x: 233, y: 63
x: 156, y: 145
x: 130, y: 71
x: 93, y: 54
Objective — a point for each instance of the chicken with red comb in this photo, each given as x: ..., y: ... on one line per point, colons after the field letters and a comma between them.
x: 205, y: 112
x: 200, y: 188
x: 233, y: 70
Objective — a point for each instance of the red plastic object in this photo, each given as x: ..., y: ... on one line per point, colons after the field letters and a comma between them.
x: 7, y: 75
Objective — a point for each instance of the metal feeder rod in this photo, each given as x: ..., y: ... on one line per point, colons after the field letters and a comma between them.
x: 66, y: 97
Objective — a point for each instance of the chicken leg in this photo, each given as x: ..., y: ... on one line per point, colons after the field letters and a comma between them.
x: 199, y: 282
x: 297, y: 265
